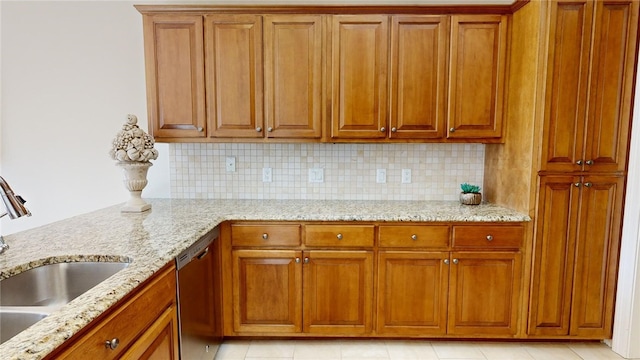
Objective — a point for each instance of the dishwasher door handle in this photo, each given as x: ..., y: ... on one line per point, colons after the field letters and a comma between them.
x: 203, y: 254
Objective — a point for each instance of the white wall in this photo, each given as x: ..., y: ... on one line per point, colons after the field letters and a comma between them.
x: 71, y: 72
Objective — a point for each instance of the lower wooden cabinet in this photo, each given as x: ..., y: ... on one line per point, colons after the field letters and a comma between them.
x: 287, y: 291
x: 142, y: 326
x: 575, y: 258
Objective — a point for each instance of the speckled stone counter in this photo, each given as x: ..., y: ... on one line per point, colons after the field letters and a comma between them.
x: 149, y: 240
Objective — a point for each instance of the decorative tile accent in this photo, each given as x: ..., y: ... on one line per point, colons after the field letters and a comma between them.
x: 198, y: 171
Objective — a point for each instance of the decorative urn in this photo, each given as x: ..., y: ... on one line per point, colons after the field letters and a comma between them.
x: 132, y: 148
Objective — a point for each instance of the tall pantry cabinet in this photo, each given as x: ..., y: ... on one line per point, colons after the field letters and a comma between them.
x: 573, y: 96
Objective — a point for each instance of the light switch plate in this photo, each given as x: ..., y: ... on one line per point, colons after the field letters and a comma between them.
x: 267, y: 174
x: 230, y: 164
x: 406, y: 176
x: 316, y: 175
x: 381, y: 176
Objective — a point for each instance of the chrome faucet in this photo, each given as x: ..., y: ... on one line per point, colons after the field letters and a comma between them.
x: 14, y: 205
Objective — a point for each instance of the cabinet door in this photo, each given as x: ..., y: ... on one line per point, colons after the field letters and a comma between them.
x: 293, y: 49
x: 553, y: 255
x: 611, y: 86
x: 359, y: 76
x: 412, y: 293
x: 338, y: 292
x: 484, y: 293
x: 174, y: 61
x: 419, y: 57
x: 160, y: 341
x: 476, y: 84
x: 597, y: 256
x: 233, y: 48
x: 567, y: 84
x: 267, y: 291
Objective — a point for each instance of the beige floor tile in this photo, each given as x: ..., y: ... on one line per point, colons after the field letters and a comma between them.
x: 456, y: 350
x: 550, y: 351
x: 317, y: 350
x: 594, y: 351
x: 233, y: 350
x: 503, y: 351
x: 271, y: 349
x: 363, y: 349
x: 410, y: 350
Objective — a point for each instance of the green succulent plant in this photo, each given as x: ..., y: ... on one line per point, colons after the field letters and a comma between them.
x: 468, y: 188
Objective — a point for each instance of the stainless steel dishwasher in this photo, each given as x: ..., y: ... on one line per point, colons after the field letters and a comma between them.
x: 199, y: 298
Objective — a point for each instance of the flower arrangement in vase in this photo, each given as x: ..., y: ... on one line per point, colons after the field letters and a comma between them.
x: 470, y: 194
x: 133, y: 149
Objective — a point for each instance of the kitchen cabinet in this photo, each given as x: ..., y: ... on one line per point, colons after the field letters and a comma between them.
x: 233, y: 64
x: 359, y: 48
x: 590, y: 85
x: 141, y: 326
x: 425, y: 289
x: 576, y: 256
x: 418, y: 80
x: 477, y: 76
x: 174, y: 61
x: 340, y: 75
x: 288, y: 290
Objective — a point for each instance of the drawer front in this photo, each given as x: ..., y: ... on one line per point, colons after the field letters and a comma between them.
x: 127, y: 321
x: 339, y: 235
x: 265, y: 235
x: 432, y: 236
x: 488, y: 236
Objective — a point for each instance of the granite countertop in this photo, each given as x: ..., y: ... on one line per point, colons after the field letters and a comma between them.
x: 150, y: 240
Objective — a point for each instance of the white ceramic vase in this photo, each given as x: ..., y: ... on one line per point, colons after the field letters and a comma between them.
x: 135, y: 179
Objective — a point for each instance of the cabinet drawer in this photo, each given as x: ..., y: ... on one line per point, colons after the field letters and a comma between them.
x: 436, y: 236
x: 488, y: 236
x: 339, y: 235
x: 127, y: 321
x: 265, y: 235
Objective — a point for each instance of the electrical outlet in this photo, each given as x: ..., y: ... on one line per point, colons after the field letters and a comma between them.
x: 266, y: 174
x: 381, y: 176
x: 316, y: 175
x: 406, y: 176
x: 230, y: 164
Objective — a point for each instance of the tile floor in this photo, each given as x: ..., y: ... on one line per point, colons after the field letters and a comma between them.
x: 410, y: 349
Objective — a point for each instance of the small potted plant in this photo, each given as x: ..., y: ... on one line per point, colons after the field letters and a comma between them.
x: 470, y: 194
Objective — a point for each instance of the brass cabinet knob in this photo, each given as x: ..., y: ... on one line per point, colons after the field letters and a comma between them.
x: 269, y: 129
x: 577, y: 184
x: 200, y: 129
x: 579, y: 162
x: 258, y: 129
x: 446, y: 261
x: 588, y: 184
x: 393, y: 129
x: 414, y: 237
x: 455, y: 261
x: 383, y: 129
x: 489, y: 237
x: 339, y: 236
x: 265, y: 236
x: 306, y: 260
x: 112, y: 344
x: 297, y: 260
x: 452, y: 130
x: 589, y: 162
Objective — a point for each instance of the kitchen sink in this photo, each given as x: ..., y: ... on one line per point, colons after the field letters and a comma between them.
x: 30, y: 296
x: 13, y: 322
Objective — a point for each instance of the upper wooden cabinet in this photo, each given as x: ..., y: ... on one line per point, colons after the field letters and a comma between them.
x: 477, y: 76
x: 359, y: 48
x: 174, y: 60
x: 418, y: 91
x: 233, y: 60
x: 589, y: 85
x: 301, y: 74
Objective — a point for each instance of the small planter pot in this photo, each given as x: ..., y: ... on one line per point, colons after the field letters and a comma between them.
x: 470, y: 198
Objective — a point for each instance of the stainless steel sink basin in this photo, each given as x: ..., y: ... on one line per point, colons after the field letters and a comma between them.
x: 55, y: 284
x: 30, y: 296
x: 13, y: 322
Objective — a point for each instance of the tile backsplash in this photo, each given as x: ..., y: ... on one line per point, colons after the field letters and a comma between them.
x: 198, y: 171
